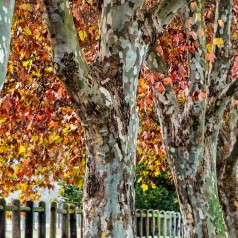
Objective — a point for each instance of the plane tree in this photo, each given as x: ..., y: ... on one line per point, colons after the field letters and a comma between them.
x: 103, y: 92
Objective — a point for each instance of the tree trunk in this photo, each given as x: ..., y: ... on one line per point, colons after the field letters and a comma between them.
x: 196, y: 185
x: 6, y: 11
x: 109, y: 181
x: 227, y: 164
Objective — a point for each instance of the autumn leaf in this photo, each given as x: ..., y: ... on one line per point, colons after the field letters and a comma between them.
x: 193, y: 5
x: 82, y: 35
x: 53, y: 124
x: 144, y: 187
x: 210, y: 57
x: 22, y: 150
x: 209, y: 48
x: 167, y: 81
x: 153, y: 186
x: 159, y: 87
x: 202, y: 95
x: 221, y: 23
x: 218, y: 42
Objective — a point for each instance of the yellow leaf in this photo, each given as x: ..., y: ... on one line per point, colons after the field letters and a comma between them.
x: 10, y: 68
x: 26, y: 63
x: 144, y: 187
x: 153, y: 186
x: 25, y: 7
x: 48, y: 70
x: 82, y: 35
x: 218, y: 42
x: 209, y: 48
x: 2, y: 120
x: 22, y: 150
x: 27, y: 31
x: 24, y: 187
x: 157, y: 173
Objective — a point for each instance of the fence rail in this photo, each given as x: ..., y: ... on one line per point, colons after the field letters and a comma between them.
x: 149, y: 223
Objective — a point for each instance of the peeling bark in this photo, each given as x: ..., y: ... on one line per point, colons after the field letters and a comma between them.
x: 6, y: 11
x: 104, y: 96
x: 190, y: 133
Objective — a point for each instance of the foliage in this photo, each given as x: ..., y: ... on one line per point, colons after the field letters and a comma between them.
x: 160, y: 195
x: 70, y: 193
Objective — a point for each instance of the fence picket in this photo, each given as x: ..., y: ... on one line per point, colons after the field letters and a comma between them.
x: 73, y: 221
x: 53, y: 219
x: 16, y: 220
x: 29, y: 220
x: 65, y: 221
x: 42, y: 221
x: 2, y: 218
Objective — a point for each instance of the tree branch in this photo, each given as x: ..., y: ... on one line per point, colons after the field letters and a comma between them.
x: 155, y: 61
x: 219, y: 71
x: 220, y: 102
x: 6, y: 11
x: 68, y: 59
x: 163, y: 14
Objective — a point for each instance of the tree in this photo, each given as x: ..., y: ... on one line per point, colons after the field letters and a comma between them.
x: 103, y: 94
x: 195, y: 130
x: 6, y: 11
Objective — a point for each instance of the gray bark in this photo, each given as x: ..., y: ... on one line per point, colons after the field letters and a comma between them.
x: 191, y: 130
x: 104, y: 96
x: 6, y: 11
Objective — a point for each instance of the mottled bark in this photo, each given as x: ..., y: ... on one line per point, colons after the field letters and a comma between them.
x: 191, y: 130
x: 104, y: 96
x: 6, y: 11
x: 227, y: 164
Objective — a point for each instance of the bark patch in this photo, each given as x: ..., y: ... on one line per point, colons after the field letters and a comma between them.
x: 93, y: 186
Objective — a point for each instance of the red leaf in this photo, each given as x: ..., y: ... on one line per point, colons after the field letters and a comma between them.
x: 159, y: 86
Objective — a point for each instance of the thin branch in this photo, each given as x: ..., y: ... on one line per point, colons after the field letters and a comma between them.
x: 219, y: 71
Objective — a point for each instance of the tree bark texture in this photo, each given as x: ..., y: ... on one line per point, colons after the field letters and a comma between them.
x: 104, y: 96
x: 6, y: 11
x: 200, y: 166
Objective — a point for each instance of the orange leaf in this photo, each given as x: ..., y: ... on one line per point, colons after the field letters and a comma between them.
x: 53, y: 124
x: 211, y: 57
x: 159, y: 87
x: 202, y: 95
x: 167, y: 81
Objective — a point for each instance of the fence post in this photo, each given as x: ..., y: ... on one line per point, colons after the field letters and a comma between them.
x: 29, y: 220
x: 65, y: 222
x: 2, y: 218
x: 42, y: 221
x: 16, y: 220
x: 81, y: 228
x: 73, y: 222
x: 53, y: 215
